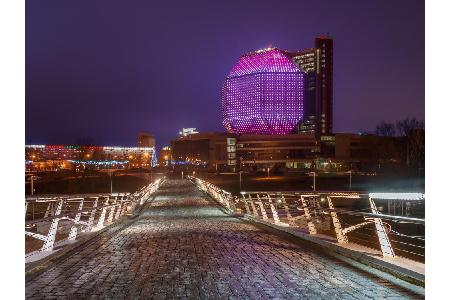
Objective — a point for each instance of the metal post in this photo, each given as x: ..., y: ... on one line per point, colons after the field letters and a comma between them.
x: 92, y: 216
x: 350, y: 185
x: 252, y: 204
x: 247, y: 208
x: 32, y: 184
x: 311, y: 226
x: 101, y: 220
x: 337, y: 225
x: 181, y: 174
x: 275, y: 217
x: 51, y: 236
x: 383, y: 238
x: 74, y: 228
x: 110, y: 180
x: 240, y: 180
x: 314, y: 180
x: 261, y: 207
x: 286, y: 208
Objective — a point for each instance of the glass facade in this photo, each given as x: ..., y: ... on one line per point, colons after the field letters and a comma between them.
x: 263, y: 94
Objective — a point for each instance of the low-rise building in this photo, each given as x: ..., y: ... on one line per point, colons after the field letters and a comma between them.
x: 295, y: 152
x: 56, y: 157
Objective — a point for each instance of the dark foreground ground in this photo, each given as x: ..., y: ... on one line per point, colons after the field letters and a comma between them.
x: 184, y: 246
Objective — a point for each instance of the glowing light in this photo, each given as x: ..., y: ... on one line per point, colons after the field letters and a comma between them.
x: 398, y: 196
x: 263, y: 94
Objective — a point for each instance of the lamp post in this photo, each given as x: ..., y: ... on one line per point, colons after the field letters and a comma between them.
x: 350, y: 182
x: 32, y: 178
x: 240, y: 180
x: 110, y: 172
x: 314, y: 180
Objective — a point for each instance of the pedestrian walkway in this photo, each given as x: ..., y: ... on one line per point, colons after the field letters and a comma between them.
x: 183, y: 246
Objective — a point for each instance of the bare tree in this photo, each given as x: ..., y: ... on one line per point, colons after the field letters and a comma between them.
x: 385, y: 129
x: 406, y: 125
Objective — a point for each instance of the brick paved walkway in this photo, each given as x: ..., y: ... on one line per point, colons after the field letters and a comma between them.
x: 183, y: 246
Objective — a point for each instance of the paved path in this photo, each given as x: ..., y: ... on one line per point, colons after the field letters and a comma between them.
x: 183, y: 246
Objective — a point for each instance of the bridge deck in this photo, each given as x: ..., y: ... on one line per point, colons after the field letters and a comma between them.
x: 183, y: 246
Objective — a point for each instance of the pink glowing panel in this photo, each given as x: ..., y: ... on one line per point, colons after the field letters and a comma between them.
x: 263, y: 94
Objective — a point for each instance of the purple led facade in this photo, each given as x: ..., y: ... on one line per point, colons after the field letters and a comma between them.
x: 263, y: 94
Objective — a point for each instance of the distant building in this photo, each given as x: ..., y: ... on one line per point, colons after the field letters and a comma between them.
x: 223, y: 151
x: 201, y: 149
x: 70, y: 157
x: 188, y: 131
x: 273, y: 91
x: 339, y: 152
x: 165, y: 156
x: 317, y: 63
x: 145, y: 139
x: 263, y: 94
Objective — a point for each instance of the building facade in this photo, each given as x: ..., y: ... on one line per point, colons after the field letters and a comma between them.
x: 263, y: 94
x: 68, y: 157
x: 273, y: 91
x: 145, y: 139
x: 289, y: 152
x: 317, y: 63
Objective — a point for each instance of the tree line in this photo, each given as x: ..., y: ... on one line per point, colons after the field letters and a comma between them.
x: 399, y: 128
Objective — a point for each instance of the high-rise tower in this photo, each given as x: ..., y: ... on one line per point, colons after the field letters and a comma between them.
x: 324, y: 84
x: 317, y: 63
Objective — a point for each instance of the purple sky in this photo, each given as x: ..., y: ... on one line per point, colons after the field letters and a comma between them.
x: 106, y: 70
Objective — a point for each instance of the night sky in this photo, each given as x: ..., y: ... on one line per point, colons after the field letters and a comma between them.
x: 105, y: 70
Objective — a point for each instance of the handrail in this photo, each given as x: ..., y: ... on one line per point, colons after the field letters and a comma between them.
x: 224, y: 198
x: 79, y: 213
x: 316, y: 212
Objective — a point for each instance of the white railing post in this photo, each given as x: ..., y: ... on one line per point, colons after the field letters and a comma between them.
x: 336, y: 223
x: 286, y: 209
x: 261, y: 207
x: 311, y: 226
x: 247, y: 208
x: 252, y: 204
x: 74, y: 228
x: 383, y: 238
x: 101, y: 220
x: 48, y: 210
x: 92, y: 216
x: 111, y: 212
x: 51, y: 236
x: 276, y: 219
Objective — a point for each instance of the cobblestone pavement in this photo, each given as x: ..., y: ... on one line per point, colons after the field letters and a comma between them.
x: 183, y: 246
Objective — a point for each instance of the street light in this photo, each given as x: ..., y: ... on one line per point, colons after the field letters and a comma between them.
x: 32, y: 178
x: 110, y: 172
x: 350, y: 183
x: 240, y: 180
x: 313, y: 173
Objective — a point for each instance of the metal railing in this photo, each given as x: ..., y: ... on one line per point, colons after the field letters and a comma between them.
x: 345, y: 217
x: 223, y: 197
x: 349, y: 217
x: 60, y: 219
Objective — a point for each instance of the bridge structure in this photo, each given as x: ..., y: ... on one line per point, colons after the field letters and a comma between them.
x: 190, y: 239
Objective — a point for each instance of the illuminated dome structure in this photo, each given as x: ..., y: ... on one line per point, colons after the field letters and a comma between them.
x: 263, y: 94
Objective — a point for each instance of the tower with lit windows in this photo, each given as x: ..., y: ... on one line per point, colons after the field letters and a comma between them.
x: 263, y: 94
x: 317, y: 63
x: 273, y: 91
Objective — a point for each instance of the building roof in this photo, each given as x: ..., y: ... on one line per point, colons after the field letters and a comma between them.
x: 269, y: 60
